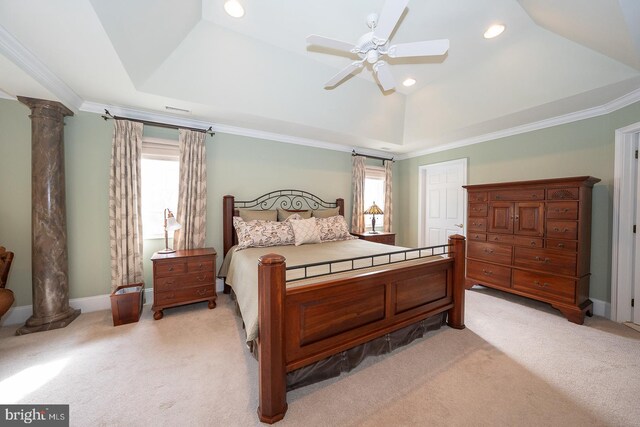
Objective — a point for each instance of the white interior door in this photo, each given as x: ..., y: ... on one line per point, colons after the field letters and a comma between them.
x: 442, y: 201
x: 635, y: 314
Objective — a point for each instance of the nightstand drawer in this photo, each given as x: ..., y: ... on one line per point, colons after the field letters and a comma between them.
x: 194, y: 265
x: 184, y: 281
x: 183, y: 295
x: 381, y: 237
x: 171, y: 268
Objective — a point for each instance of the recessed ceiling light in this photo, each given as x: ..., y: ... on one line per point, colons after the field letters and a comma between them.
x: 234, y: 8
x: 494, y: 31
x: 409, y: 82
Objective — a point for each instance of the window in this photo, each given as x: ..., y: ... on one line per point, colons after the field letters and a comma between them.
x: 160, y: 179
x: 374, y: 192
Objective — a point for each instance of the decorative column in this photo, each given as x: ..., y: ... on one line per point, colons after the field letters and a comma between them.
x: 50, y: 285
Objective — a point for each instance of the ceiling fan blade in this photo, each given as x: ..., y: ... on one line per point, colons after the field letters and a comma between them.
x: 330, y: 43
x: 384, y: 76
x: 342, y: 74
x: 388, y: 19
x: 425, y: 48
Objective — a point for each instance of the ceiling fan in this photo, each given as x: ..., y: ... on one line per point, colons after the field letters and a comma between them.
x: 374, y: 45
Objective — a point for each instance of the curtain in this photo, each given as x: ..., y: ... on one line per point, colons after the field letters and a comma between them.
x: 192, y: 191
x: 357, y: 187
x: 388, y: 201
x: 125, y: 219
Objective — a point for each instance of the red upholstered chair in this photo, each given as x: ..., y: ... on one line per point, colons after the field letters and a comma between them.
x: 6, y: 295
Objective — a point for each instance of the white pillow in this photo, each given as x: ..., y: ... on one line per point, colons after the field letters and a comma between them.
x: 305, y: 231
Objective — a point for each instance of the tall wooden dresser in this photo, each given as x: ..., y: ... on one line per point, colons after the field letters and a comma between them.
x: 533, y: 238
x: 183, y: 277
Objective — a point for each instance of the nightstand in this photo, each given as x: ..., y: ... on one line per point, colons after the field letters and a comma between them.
x: 379, y: 237
x: 183, y: 277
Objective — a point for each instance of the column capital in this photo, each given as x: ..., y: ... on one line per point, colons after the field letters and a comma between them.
x: 45, y: 108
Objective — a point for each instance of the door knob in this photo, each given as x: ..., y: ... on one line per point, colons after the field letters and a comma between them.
x: 459, y: 225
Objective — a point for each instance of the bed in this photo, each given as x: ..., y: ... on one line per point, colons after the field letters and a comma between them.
x: 349, y: 298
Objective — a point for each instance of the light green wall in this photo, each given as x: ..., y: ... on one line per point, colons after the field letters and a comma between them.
x: 242, y: 166
x: 581, y: 148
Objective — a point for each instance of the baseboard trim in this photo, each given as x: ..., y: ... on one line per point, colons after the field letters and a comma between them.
x: 19, y: 315
x: 601, y: 308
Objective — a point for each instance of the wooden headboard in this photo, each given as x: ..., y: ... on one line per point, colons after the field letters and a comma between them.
x: 283, y: 199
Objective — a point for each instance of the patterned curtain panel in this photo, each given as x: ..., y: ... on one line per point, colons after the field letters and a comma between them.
x: 192, y: 191
x: 357, y: 186
x: 388, y: 200
x: 125, y: 219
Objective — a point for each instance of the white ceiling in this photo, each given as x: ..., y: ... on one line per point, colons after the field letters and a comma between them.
x: 256, y: 74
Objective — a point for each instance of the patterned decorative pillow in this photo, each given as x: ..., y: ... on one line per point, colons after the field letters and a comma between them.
x: 334, y: 228
x: 306, y: 231
x: 260, y: 234
x: 283, y: 214
x: 293, y: 217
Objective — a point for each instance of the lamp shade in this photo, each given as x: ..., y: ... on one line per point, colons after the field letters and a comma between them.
x: 172, y: 224
x: 374, y: 210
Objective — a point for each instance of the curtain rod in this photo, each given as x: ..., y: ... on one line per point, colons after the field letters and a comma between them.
x: 108, y: 116
x: 353, y: 153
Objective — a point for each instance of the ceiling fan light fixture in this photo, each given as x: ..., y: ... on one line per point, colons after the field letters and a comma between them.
x: 409, y: 82
x: 494, y: 31
x: 234, y: 8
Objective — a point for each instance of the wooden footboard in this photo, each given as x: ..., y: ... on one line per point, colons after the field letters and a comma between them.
x: 304, y: 324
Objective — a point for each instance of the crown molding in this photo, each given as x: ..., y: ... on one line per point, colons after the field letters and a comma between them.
x: 609, y: 107
x: 20, y: 56
x: 5, y: 95
x: 94, y: 107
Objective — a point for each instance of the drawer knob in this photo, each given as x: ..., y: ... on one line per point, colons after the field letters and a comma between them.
x: 201, y: 292
x: 534, y: 196
x: 170, y: 268
x: 532, y: 243
x: 488, y: 251
x: 487, y: 272
x: 561, y: 245
x: 201, y: 278
x: 542, y: 285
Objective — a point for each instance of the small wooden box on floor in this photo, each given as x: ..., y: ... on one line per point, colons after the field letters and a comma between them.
x: 378, y: 237
x: 533, y: 239
x: 126, y: 303
x: 183, y: 277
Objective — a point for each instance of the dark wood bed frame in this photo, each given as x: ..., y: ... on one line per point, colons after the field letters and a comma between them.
x: 302, y: 325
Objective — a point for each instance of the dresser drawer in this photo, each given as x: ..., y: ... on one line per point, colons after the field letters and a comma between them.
x: 530, y: 242
x: 477, y: 224
x: 185, y: 281
x: 480, y: 237
x: 183, y: 295
x: 532, y: 194
x: 478, y: 197
x: 477, y: 209
x: 500, y: 238
x: 562, y: 210
x: 170, y: 268
x: 559, y: 262
x: 565, y: 245
x: 492, y: 252
x: 552, y: 287
x: 202, y: 264
x: 567, y: 230
x: 563, y: 193
x: 489, y: 273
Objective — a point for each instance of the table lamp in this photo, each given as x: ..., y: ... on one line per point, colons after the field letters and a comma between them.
x: 170, y: 224
x: 373, y: 210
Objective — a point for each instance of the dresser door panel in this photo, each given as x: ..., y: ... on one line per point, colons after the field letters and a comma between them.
x: 529, y: 219
x: 501, y: 218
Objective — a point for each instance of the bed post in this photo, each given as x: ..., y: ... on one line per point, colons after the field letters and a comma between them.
x: 271, y: 351
x: 340, y: 205
x: 456, y: 314
x: 227, y: 229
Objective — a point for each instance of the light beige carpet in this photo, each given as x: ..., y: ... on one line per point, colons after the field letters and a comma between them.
x: 518, y: 363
